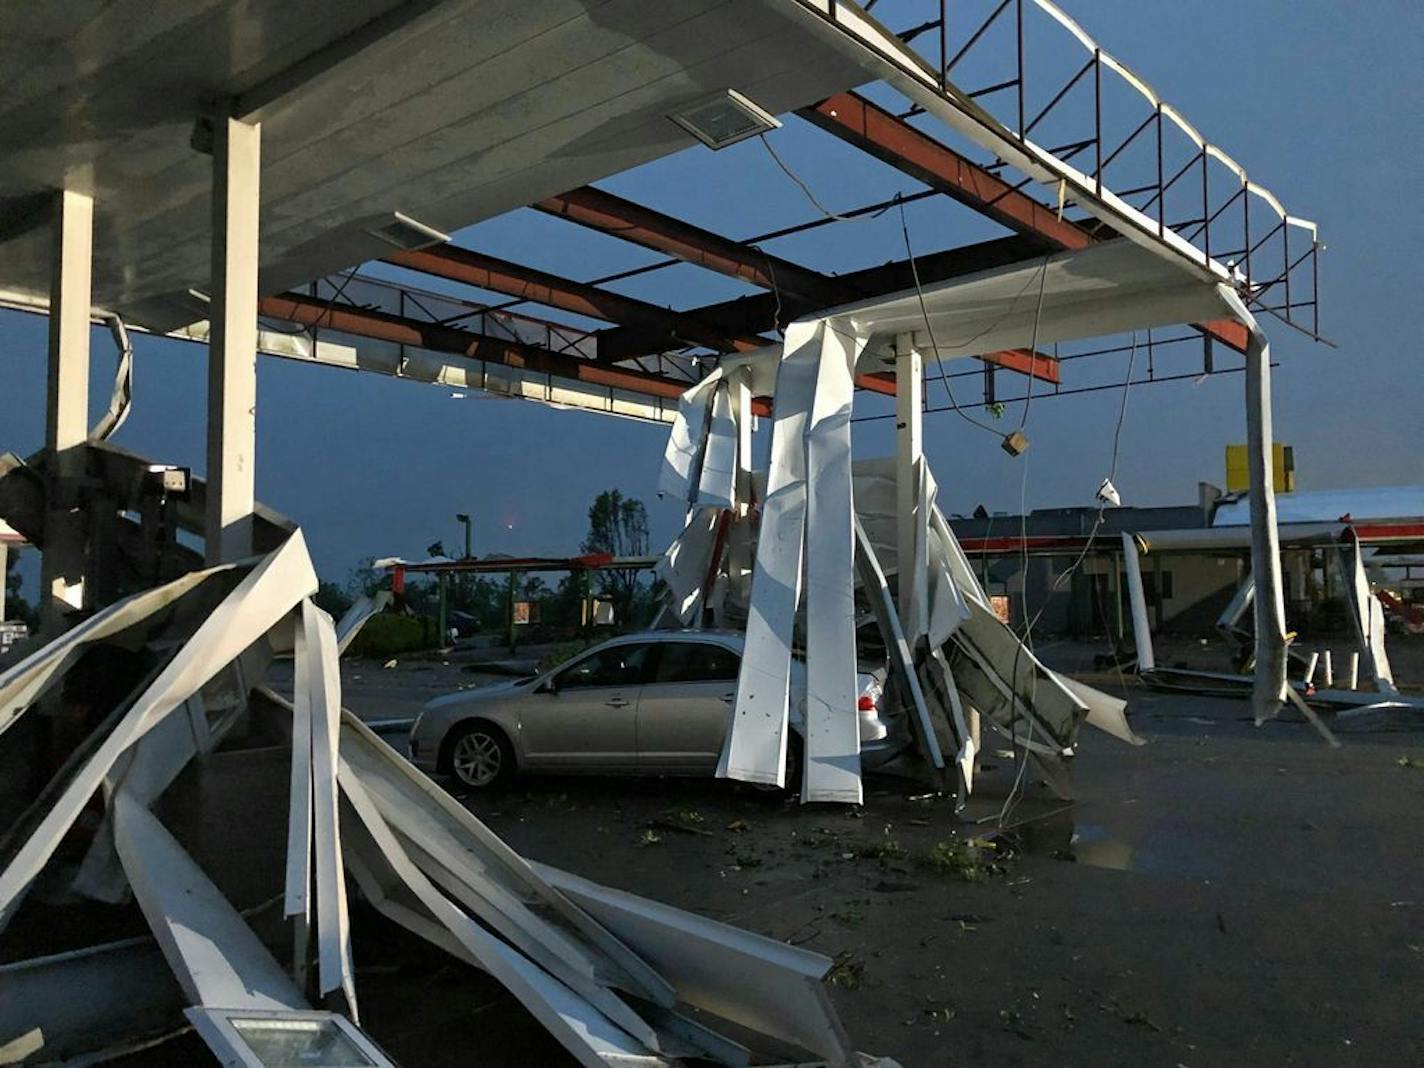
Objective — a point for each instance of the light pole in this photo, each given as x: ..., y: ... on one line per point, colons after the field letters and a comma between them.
x: 461, y: 517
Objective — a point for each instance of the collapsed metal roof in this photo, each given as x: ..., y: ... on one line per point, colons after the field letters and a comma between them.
x: 456, y: 112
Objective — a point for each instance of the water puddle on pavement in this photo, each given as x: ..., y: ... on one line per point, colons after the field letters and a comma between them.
x: 1161, y: 848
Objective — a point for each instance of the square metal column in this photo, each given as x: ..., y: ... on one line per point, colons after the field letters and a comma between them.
x: 232, y: 341
x: 1270, y: 608
x: 912, y: 550
x: 67, y: 406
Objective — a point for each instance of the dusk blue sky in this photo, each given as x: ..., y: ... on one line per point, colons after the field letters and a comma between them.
x: 1318, y: 100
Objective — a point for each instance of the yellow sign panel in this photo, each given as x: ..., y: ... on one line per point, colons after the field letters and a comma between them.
x: 1238, y: 478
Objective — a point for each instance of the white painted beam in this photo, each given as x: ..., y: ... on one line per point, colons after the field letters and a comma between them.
x: 67, y: 404
x: 232, y: 343
x: 1137, y: 599
x: 909, y: 490
x: 1269, y: 687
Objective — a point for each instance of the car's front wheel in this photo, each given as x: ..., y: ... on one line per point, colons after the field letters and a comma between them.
x: 480, y: 756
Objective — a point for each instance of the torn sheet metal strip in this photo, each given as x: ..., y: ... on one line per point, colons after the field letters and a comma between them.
x: 949, y: 603
x: 257, y: 605
x: 1312, y: 717
x: 755, y: 746
x: 966, y: 582
x: 1236, y: 608
x: 382, y: 768
x: 214, y: 954
x: 586, y: 1033
x: 832, y: 726
x: 740, y: 392
x: 1004, y: 680
x: 453, y: 862
x: 383, y: 890
x: 297, y: 895
x: 717, y: 480
x: 683, y: 456
x: 683, y: 567
x: 913, y: 558
x: 1105, y: 712
x: 23, y: 683
x: 768, y: 986
x: 121, y: 399
x: 561, y: 957
x: 946, y: 691
x: 877, y: 591
x: 358, y: 615
x: 332, y: 924
x: 1366, y: 612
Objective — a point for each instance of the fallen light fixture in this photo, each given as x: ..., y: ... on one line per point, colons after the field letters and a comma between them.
x: 724, y: 119
x: 406, y: 233
x: 1015, y: 443
x: 1108, y: 495
x: 271, y: 1038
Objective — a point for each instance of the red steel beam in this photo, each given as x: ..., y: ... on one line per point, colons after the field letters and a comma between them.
x: 760, y: 312
x: 1041, y: 366
x: 383, y: 326
x: 651, y: 229
x: 500, y: 276
x: 876, y: 131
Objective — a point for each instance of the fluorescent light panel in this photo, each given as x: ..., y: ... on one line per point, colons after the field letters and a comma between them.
x: 724, y: 119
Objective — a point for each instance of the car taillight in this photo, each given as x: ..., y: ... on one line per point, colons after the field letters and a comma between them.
x: 866, y: 703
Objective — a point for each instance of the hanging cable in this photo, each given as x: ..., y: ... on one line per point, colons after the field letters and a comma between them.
x: 806, y: 189
x: 1033, y: 344
x: 1015, y: 791
x: 929, y: 329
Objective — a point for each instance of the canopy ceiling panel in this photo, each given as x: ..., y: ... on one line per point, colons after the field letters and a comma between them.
x: 1104, y: 289
x: 449, y: 112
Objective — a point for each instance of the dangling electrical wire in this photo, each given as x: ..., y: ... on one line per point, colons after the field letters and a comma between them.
x: 1016, y: 790
x: 806, y: 189
x: 929, y: 329
x: 1033, y: 344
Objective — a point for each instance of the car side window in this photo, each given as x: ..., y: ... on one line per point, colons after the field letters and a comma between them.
x: 621, y: 665
x: 696, y: 662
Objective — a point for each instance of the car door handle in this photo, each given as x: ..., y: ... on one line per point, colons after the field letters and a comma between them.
x: 617, y: 702
x: 729, y: 698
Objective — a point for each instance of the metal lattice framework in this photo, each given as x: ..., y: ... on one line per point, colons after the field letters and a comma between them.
x: 1161, y: 182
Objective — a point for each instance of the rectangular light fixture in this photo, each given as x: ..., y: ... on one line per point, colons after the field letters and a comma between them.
x: 279, y: 1038
x: 406, y: 233
x: 724, y: 119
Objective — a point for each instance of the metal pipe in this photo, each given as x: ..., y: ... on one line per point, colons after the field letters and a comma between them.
x: 1020, y: 35
x: 1137, y: 599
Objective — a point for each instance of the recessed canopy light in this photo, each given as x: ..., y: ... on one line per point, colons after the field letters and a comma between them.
x: 404, y: 232
x: 724, y: 119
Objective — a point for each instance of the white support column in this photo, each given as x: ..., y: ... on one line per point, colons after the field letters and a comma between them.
x: 1137, y: 599
x: 740, y: 383
x: 67, y: 405
x: 909, y: 487
x: 232, y: 347
x: 1270, y: 673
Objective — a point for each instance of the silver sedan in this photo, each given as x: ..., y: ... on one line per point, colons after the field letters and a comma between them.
x: 654, y: 703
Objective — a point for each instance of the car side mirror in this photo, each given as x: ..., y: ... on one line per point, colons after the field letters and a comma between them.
x: 548, y: 686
